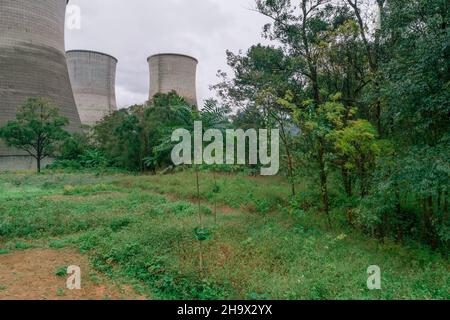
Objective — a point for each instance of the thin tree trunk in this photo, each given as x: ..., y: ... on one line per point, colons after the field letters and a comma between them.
x: 429, y: 222
x: 290, y: 161
x: 439, y: 200
x: 199, y: 217
x: 428, y: 232
x: 201, y: 257
x: 363, y: 182
x: 445, y: 206
x: 215, y: 197
x: 372, y: 55
x: 38, y: 154
x: 38, y: 164
x: 398, y: 211
x: 346, y: 180
x: 378, y: 111
x: 316, y: 91
x: 198, y: 197
x: 312, y: 64
x: 324, y: 184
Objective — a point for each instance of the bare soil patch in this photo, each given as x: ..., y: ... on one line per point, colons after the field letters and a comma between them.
x: 30, y: 275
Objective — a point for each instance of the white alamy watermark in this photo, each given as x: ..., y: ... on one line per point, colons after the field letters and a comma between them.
x: 258, y: 150
x: 74, y: 279
x: 73, y: 17
x: 374, y: 280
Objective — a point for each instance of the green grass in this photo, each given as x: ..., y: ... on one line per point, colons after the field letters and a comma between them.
x: 61, y: 271
x: 238, y: 191
x: 141, y: 230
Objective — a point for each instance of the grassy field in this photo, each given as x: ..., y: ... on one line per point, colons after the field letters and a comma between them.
x: 139, y: 230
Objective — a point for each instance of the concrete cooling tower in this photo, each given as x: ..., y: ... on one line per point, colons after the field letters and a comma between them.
x: 32, y: 64
x: 170, y: 72
x: 93, y: 78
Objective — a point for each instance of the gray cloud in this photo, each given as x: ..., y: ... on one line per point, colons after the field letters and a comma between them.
x: 132, y: 30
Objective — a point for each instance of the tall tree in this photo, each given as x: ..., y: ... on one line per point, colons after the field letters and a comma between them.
x: 262, y: 76
x: 37, y: 130
x: 370, y: 30
x: 299, y: 30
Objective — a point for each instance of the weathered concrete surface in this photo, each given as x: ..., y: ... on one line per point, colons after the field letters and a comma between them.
x: 32, y: 60
x: 170, y: 72
x: 93, y: 78
x: 17, y: 163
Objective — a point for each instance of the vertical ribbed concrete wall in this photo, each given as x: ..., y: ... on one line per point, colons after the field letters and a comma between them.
x: 32, y: 60
x: 93, y: 78
x: 170, y: 72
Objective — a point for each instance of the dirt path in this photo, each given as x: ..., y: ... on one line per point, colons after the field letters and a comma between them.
x: 30, y: 275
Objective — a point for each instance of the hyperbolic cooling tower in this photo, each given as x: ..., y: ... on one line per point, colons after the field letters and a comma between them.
x: 33, y: 62
x: 170, y: 72
x: 93, y: 78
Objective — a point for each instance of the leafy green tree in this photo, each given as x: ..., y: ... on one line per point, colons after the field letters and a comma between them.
x: 118, y: 137
x: 416, y: 72
x: 409, y: 198
x: 74, y: 146
x: 164, y: 114
x: 261, y: 77
x: 414, y: 67
x: 393, y: 73
x: 367, y: 12
x: 300, y: 28
x: 359, y: 145
x: 318, y: 125
x: 139, y: 138
x: 37, y: 130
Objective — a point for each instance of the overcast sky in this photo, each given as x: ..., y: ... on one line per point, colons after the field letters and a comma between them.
x: 135, y: 29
